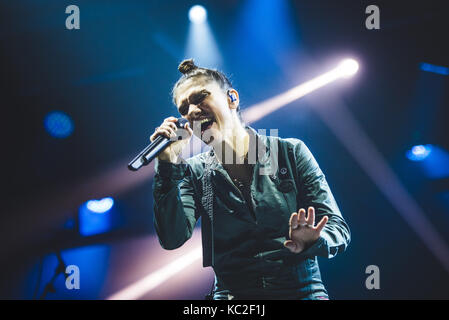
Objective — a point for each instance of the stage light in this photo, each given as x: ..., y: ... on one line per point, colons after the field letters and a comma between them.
x: 434, y: 69
x: 100, y: 206
x: 345, y: 69
x: 197, y: 14
x: 433, y: 159
x: 201, y: 44
x: 151, y: 281
x: 94, y: 216
x: 58, y: 124
x: 348, y: 68
x: 419, y: 152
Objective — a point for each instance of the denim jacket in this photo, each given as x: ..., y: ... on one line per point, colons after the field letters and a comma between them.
x: 247, y: 252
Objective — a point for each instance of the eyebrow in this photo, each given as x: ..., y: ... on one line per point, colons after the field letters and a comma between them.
x: 193, y: 96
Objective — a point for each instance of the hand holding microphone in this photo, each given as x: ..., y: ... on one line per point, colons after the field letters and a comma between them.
x: 163, y: 144
x: 168, y: 129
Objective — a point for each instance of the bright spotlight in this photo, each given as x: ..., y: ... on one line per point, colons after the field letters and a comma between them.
x: 345, y: 69
x: 348, y: 68
x: 94, y: 216
x: 419, y: 152
x: 197, y: 14
x: 100, y: 206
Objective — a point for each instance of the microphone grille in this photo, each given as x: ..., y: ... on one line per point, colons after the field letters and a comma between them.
x: 181, y: 122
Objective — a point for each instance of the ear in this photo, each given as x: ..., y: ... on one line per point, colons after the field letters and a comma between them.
x: 233, y: 98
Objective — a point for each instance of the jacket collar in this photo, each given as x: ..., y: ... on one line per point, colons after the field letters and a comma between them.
x: 257, y: 140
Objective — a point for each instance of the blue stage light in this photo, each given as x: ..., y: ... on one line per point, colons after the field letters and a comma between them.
x: 197, y: 14
x: 58, y: 124
x: 435, y: 69
x: 95, y: 216
x: 100, y: 206
x: 419, y: 152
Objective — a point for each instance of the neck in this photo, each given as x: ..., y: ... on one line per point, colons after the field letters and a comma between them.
x: 237, y: 141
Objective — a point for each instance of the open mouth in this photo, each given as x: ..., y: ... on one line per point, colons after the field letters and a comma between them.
x: 206, y: 123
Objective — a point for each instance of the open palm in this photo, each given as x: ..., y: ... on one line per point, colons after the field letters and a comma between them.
x: 303, y: 231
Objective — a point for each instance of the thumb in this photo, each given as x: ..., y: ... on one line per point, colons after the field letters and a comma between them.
x: 289, y: 244
x: 187, y: 127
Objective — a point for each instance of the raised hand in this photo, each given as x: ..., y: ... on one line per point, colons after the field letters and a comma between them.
x: 302, y: 232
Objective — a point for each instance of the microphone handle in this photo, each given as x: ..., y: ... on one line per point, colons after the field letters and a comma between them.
x: 153, y: 149
x: 158, y: 148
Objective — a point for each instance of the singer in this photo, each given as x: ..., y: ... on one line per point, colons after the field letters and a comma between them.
x: 261, y: 232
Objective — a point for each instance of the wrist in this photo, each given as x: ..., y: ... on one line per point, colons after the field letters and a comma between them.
x: 168, y: 158
x: 170, y: 170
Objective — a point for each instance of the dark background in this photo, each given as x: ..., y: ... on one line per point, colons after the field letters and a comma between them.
x: 114, y: 77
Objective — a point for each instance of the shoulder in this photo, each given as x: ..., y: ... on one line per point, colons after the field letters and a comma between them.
x: 299, y: 150
x: 295, y: 144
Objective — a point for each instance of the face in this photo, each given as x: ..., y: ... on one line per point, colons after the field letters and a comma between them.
x: 206, y: 106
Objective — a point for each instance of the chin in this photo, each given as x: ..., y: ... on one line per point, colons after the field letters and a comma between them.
x: 211, y: 136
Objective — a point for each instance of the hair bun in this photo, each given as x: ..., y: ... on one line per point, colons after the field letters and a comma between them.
x: 186, y: 66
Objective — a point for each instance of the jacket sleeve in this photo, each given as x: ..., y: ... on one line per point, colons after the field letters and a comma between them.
x: 315, y: 192
x: 174, y: 204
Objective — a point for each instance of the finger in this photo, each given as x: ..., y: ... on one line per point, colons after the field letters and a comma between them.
x: 171, y: 119
x: 165, y: 132
x: 171, y: 125
x: 187, y: 126
x: 302, y: 217
x: 290, y: 245
x: 321, y: 224
x: 311, y: 216
x: 153, y: 136
x: 294, y: 221
x: 170, y: 130
x: 167, y: 126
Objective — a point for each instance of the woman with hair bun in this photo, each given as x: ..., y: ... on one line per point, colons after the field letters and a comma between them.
x: 261, y: 233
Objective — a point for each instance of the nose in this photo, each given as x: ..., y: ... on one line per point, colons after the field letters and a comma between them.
x: 194, y: 111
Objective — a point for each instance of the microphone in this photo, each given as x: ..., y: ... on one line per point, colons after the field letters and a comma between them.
x: 154, y: 149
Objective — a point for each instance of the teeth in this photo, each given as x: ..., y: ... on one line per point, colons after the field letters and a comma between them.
x: 205, y: 120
